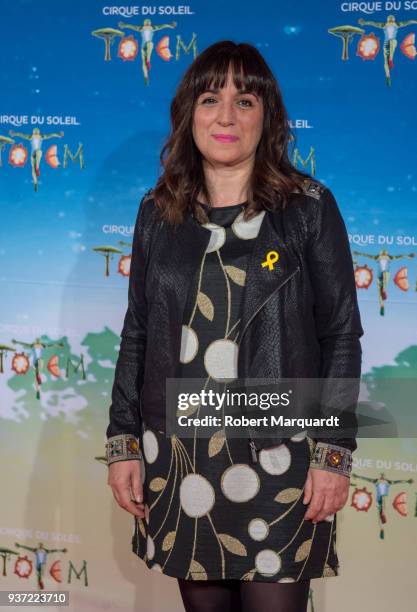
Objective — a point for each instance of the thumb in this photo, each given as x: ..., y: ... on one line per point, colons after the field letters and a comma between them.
x: 308, y: 488
x: 136, y: 483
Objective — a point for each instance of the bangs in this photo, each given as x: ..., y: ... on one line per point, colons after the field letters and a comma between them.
x: 249, y: 74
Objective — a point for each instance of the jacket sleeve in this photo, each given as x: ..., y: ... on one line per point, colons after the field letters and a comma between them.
x: 338, y: 329
x: 124, y: 412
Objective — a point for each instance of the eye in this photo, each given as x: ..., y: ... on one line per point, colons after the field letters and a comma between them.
x: 208, y: 99
x: 248, y: 103
x: 244, y: 102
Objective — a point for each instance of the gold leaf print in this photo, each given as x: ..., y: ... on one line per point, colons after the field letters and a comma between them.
x: 169, y: 540
x: 287, y: 495
x: 328, y: 571
x: 205, y: 305
x: 157, y: 484
x: 233, y: 545
x: 249, y: 575
x: 141, y: 527
x: 188, y: 411
x: 216, y: 443
x: 236, y: 274
x: 303, y: 551
x: 197, y: 571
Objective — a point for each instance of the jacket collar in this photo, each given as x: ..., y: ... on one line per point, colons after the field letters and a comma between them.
x: 191, y: 240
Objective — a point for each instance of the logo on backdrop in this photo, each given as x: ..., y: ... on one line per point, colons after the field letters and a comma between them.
x: 25, y: 566
x: 369, y: 45
x: 130, y: 46
x: 20, y: 154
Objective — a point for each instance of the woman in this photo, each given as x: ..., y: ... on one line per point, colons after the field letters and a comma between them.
x: 241, y: 268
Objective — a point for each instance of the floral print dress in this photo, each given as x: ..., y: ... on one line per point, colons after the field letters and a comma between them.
x: 210, y: 513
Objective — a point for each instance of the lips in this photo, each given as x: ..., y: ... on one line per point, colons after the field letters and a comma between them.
x: 225, y: 137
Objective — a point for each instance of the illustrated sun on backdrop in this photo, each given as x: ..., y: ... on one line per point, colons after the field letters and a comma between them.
x: 368, y: 46
x: 18, y: 155
x: 20, y: 363
x: 363, y: 276
x: 23, y: 567
x: 124, y: 265
x: 128, y: 48
x: 361, y: 499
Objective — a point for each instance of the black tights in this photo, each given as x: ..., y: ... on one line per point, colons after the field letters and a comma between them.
x: 243, y: 596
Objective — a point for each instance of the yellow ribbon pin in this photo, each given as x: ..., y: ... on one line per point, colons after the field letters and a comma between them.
x: 271, y: 258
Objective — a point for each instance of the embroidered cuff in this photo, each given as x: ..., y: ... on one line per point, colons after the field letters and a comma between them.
x: 332, y: 458
x: 122, y: 447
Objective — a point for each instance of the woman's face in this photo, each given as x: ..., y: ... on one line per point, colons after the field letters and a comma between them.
x: 227, y: 124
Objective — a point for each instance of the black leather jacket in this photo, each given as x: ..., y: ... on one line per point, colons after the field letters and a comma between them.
x: 300, y: 319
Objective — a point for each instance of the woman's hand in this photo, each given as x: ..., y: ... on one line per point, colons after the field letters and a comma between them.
x: 124, y: 477
x: 327, y: 491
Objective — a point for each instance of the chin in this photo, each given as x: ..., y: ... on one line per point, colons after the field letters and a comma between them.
x: 224, y: 157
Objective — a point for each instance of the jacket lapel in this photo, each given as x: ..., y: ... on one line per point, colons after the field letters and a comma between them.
x: 263, y: 280
x: 188, y: 243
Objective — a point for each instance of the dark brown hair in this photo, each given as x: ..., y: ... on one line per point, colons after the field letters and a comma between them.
x: 273, y: 178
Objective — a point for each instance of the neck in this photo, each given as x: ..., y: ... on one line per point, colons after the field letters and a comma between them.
x: 227, y: 184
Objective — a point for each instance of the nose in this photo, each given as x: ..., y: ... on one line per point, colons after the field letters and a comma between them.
x: 226, y: 114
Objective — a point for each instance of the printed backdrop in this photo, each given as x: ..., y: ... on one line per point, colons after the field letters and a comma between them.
x: 83, y: 114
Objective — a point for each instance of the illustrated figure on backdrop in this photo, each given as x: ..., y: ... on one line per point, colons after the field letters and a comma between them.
x: 384, y: 259
x: 146, y: 33
x: 390, y: 27
x: 37, y: 348
x: 241, y: 273
x: 36, y: 139
x: 41, y: 554
x: 382, y: 487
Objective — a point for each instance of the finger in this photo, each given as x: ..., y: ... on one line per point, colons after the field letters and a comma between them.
x: 316, y: 504
x: 137, y: 509
x: 308, y: 488
x: 331, y: 505
x: 116, y: 494
x: 136, y: 480
x: 122, y: 494
x: 341, y: 500
x: 326, y: 510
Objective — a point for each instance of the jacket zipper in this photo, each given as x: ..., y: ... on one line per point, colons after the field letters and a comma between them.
x: 267, y: 299
x: 140, y: 406
x: 253, y: 448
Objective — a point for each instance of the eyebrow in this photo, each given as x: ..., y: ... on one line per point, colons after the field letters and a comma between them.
x: 239, y: 91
